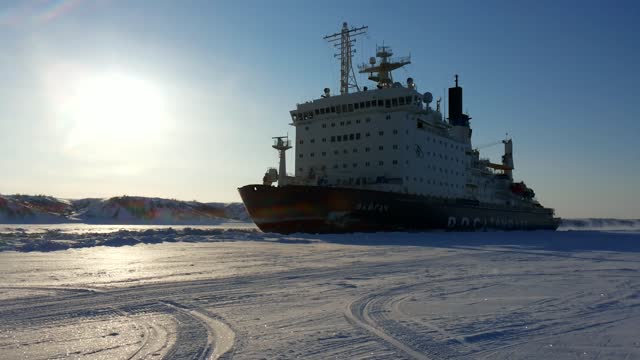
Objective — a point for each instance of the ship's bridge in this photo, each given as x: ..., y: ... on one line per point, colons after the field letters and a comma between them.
x: 362, y: 101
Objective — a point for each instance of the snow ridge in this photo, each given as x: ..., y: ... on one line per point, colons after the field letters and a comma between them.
x: 40, y: 209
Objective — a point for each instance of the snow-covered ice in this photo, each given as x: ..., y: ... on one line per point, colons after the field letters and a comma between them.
x: 94, y: 292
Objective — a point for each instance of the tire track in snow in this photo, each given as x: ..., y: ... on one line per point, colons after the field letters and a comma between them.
x: 372, y: 313
x: 357, y: 314
x: 219, y: 336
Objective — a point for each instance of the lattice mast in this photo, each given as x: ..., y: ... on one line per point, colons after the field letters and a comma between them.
x: 347, y: 75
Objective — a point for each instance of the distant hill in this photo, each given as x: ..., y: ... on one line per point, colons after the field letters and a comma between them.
x: 39, y: 209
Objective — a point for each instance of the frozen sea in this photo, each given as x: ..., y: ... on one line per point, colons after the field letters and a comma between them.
x: 230, y: 291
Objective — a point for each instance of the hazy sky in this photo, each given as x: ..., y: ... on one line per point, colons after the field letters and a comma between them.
x: 179, y: 99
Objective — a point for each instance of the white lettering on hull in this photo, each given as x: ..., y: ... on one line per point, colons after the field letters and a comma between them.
x: 454, y: 222
x: 372, y: 206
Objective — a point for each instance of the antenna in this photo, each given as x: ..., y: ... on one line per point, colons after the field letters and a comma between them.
x: 347, y: 75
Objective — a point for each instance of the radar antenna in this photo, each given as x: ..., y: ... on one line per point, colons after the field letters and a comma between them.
x: 347, y: 75
x: 380, y: 71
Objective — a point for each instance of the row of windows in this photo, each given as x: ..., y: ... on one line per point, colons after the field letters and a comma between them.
x: 356, y: 136
x: 355, y: 165
x: 348, y: 122
x: 345, y: 151
x: 359, y: 180
x: 395, y: 162
x: 341, y: 123
x: 343, y: 108
x: 346, y: 137
x: 380, y: 148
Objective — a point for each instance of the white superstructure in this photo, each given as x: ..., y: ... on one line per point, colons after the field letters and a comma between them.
x: 391, y: 138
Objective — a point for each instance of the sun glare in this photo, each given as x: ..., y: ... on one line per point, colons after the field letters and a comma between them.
x: 114, y: 109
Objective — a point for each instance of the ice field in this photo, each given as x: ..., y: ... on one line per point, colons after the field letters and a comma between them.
x: 149, y: 292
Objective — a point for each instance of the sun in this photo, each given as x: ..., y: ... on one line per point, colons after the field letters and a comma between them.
x: 113, y: 109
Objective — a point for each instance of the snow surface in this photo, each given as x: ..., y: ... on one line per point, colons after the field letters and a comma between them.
x: 98, y: 292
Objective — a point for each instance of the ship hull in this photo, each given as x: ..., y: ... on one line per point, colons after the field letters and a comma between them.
x: 318, y: 209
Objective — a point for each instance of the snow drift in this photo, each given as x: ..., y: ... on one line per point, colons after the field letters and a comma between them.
x: 26, y: 209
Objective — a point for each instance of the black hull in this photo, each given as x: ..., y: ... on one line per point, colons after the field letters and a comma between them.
x: 316, y: 209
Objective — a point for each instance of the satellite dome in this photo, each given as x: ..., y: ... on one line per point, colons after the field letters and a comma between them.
x: 372, y: 60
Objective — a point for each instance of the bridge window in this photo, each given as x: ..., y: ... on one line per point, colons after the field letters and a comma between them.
x: 394, y: 102
x: 350, y: 107
x: 401, y: 101
x: 367, y: 104
x: 333, y: 109
x: 317, y: 112
x: 333, y: 139
x: 356, y: 106
x: 380, y: 103
x: 387, y: 103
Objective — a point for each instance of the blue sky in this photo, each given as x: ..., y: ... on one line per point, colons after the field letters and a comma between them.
x: 180, y: 99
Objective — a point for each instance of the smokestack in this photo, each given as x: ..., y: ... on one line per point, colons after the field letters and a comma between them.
x: 456, y: 117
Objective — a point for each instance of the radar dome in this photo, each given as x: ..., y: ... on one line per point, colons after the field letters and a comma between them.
x: 372, y: 60
x: 427, y: 97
